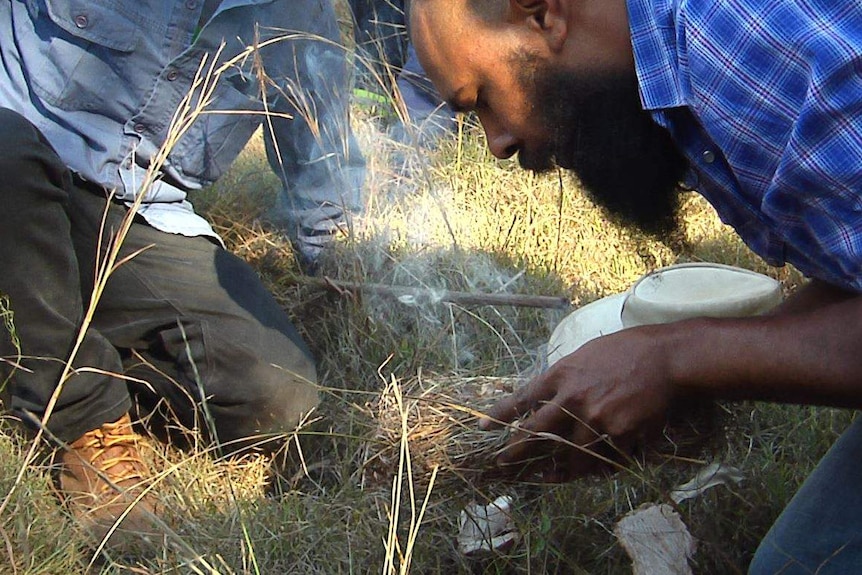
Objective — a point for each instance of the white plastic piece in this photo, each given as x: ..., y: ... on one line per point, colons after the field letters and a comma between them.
x: 669, y: 294
x: 699, y: 290
x: 487, y: 527
x: 708, y: 477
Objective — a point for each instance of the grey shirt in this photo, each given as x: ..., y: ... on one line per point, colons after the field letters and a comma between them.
x: 102, y: 79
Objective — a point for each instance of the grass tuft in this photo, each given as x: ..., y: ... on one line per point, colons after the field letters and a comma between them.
x: 376, y: 482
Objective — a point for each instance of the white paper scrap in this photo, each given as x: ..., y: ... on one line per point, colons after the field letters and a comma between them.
x: 487, y: 527
x: 708, y: 477
x: 656, y: 540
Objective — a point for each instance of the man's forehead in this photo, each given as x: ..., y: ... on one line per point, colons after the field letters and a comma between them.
x: 439, y: 41
x: 438, y: 9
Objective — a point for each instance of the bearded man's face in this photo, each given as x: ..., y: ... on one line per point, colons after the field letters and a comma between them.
x: 596, y: 128
x: 511, y: 74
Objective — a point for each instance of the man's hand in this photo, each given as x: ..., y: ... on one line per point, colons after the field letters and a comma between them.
x: 594, y: 406
x: 590, y: 409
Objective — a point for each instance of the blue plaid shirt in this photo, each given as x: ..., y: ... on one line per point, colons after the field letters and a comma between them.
x: 764, y: 97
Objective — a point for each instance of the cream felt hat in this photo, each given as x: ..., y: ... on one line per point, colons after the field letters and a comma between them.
x: 669, y: 294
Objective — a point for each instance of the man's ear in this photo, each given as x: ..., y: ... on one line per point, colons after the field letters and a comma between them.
x: 547, y: 17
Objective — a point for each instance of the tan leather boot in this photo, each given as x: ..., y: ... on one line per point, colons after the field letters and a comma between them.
x: 104, y: 482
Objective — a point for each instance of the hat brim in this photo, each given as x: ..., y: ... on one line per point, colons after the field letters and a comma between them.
x: 601, y: 317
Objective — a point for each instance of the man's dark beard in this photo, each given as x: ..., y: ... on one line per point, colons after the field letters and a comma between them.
x: 627, y: 163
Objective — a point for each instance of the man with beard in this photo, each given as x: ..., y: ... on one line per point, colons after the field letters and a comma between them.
x: 754, y: 103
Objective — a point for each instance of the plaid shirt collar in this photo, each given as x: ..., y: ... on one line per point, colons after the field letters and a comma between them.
x: 653, y: 33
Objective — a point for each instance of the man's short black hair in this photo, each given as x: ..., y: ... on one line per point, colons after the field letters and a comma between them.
x: 488, y: 10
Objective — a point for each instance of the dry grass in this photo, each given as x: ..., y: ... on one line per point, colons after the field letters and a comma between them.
x: 393, y: 456
x: 442, y: 431
x: 438, y: 417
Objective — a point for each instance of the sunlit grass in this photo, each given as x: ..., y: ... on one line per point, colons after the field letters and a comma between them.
x: 456, y: 219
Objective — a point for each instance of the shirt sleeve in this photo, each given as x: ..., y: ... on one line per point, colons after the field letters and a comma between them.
x: 816, y: 193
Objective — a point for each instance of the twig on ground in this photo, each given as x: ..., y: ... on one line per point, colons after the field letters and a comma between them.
x: 413, y: 295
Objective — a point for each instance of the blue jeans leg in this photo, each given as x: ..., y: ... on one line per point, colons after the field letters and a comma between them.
x: 820, y: 531
x: 420, y: 97
x: 380, y: 32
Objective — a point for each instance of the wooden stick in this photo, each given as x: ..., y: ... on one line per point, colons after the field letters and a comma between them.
x: 414, y: 295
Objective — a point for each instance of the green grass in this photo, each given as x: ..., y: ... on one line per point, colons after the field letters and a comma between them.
x: 460, y: 221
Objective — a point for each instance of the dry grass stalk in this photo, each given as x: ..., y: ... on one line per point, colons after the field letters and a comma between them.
x: 394, y: 548
x: 441, y: 429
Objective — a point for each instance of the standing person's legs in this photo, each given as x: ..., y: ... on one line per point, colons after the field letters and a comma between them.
x: 317, y: 156
x: 430, y: 118
x: 820, y: 530
x: 420, y: 97
x: 380, y: 32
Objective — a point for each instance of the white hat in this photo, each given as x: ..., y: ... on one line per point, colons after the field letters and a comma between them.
x: 669, y: 294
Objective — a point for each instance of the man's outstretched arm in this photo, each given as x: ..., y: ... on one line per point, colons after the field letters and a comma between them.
x: 616, y: 390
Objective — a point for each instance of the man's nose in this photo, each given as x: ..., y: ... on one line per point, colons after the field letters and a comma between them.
x: 500, y: 141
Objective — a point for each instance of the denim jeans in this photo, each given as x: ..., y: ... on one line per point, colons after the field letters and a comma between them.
x: 820, y: 531
x: 183, y: 317
x: 383, y: 53
x: 380, y: 31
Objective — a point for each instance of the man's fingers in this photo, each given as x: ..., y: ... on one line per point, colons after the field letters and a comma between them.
x: 539, y: 434
x: 500, y: 413
x: 548, y: 458
x: 597, y: 453
x: 580, y: 457
x: 552, y: 418
x: 520, y: 403
x: 554, y: 446
x: 523, y: 449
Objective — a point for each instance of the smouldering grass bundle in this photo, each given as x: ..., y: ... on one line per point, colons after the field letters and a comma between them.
x: 442, y: 414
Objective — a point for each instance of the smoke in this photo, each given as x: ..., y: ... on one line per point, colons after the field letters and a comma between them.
x: 454, y: 337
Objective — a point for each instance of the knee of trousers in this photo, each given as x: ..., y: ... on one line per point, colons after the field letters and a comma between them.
x: 261, y: 391
x: 277, y: 398
x: 769, y: 560
x: 259, y: 382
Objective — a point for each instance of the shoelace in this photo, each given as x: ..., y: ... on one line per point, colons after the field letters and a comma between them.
x: 96, y: 444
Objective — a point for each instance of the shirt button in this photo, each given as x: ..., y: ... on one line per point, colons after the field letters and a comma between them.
x: 191, y: 4
x: 140, y: 128
x: 81, y: 21
x: 173, y: 75
x: 708, y: 157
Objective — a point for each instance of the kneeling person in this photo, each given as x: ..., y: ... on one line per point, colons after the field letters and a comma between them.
x: 182, y: 326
